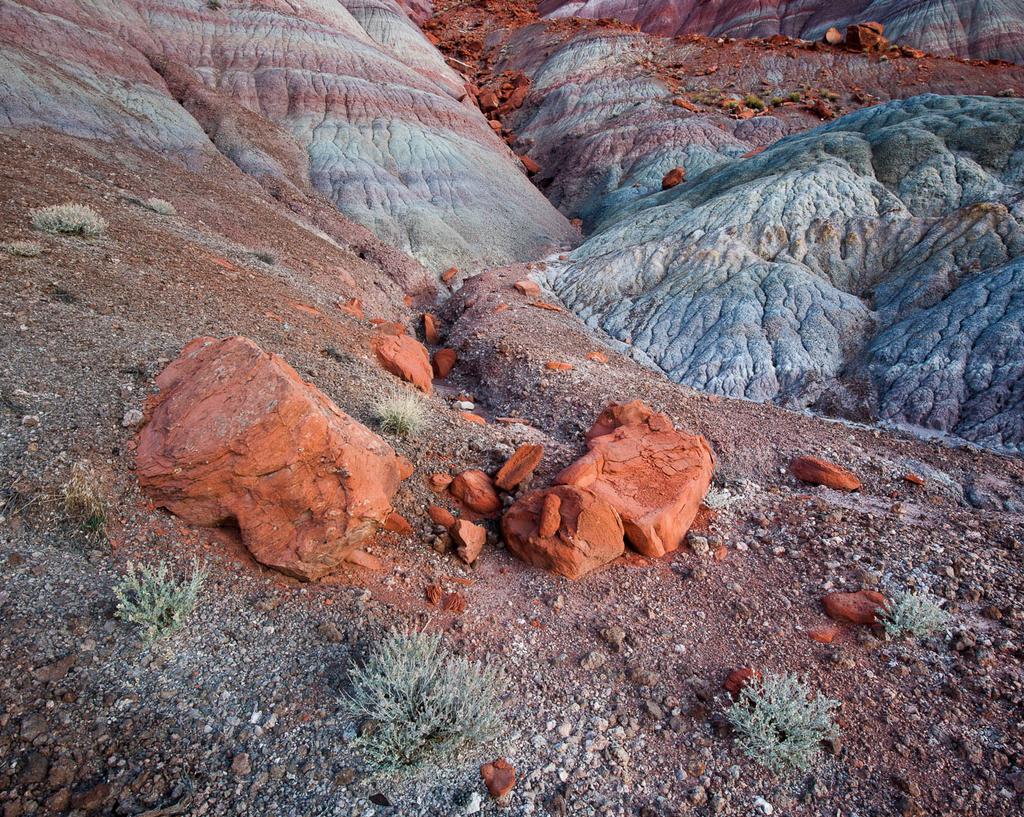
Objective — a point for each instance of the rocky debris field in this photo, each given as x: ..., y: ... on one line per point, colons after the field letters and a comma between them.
x: 209, y: 367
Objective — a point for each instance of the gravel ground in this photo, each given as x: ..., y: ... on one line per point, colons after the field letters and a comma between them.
x: 615, y: 704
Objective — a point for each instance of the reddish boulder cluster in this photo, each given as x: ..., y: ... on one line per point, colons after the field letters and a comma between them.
x: 235, y: 435
x: 653, y: 475
x: 642, y: 480
x: 564, y: 529
x: 866, y: 37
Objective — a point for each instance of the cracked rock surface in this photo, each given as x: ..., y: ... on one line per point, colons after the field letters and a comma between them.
x: 871, y: 266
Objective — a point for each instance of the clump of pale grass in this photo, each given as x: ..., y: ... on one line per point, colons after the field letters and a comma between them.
x: 24, y: 249
x: 69, y: 219
x: 402, y: 415
x: 160, y: 206
x: 82, y: 499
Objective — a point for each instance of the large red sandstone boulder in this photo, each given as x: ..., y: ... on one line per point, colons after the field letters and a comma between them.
x: 862, y: 607
x: 405, y: 357
x: 817, y: 471
x: 234, y: 435
x: 653, y: 475
x: 564, y: 529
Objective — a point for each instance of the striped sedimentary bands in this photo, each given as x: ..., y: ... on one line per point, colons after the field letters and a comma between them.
x: 347, y: 98
x: 979, y: 29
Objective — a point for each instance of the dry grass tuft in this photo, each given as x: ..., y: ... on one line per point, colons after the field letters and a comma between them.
x: 82, y: 498
x: 69, y: 219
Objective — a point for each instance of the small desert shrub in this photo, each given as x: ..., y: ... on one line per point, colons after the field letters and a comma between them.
x: 24, y: 249
x: 913, y: 614
x: 266, y: 257
x: 82, y: 498
x: 160, y: 206
x: 754, y: 102
x: 421, y: 706
x: 795, y: 96
x: 403, y: 415
x: 779, y: 723
x: 69, y: 219
x: 156, y: 602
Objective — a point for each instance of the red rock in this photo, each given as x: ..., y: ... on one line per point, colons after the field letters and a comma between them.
x: 454, y: 603
x: 685, y: 104
x: 396, y: 523
x: 530, y: 166
x: 470, y: 417
x: 360, y: 558
x: 823, y: 635
x: 547, y: 306
x: 354, y: 307
x: 558, y: 366
x: 675, y: 176
x: 444, y: 362
x: 816, y: 471
x: 495, y: 125
x: 519, y: 467
x: 654, y: 476
x: 866, y: 37
x: 587, y: 531
x: 738, y: 679
x: 597, y: 357
x: 833, y: 36
x: 822, y: 109
x: 235, y: 435
x: 434, y: 592
x: 529, y: 288
x: 449, y: 274
x: 499, y: 777
x: 475, y: 491
x: 430, y: 329
x: 386, y: 327
x: 440, y: 482
x: 913, y: 479
x: 469, y: 540
x: 550, y: 515
x: 488, y: 101
x: 406, y: 358
x: 440, y: 516
x: 861, y: 607
x: 618, y: 414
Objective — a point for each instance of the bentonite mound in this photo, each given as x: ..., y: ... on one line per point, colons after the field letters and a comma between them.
x: 610, y: 112
x: 882, y: 250
x: 347, y: 98
x: 985, y: 29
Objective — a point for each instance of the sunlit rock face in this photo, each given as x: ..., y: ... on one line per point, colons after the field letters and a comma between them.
x: 348, y: 98
x: 873, y: 266
x: 980, y: 29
